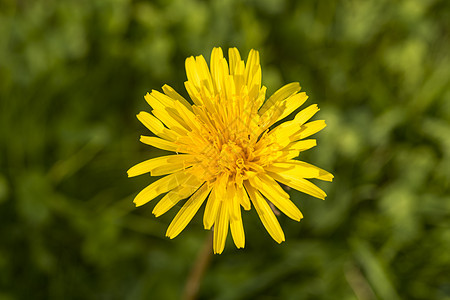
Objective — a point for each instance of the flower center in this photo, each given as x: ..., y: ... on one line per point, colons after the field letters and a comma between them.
x: 231, y: 157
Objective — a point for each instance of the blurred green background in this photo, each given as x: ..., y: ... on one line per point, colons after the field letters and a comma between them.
x: 72, y: 78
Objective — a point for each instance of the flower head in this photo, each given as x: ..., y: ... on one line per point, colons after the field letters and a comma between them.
x: 229, y: 151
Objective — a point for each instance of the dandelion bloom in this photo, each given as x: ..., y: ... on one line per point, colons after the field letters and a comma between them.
x: 229, y: 152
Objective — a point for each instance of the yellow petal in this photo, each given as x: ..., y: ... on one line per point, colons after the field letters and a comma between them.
x: 172, y: 121
x: 211, y: 209
x: 265, y: 213
x: 153, y: 102
x: 187, y: 212
x: 191, y: 71
x: 217, y: 196
x: 161, y: 186
x: 243, y: 197
x: 306, y: 114
x: 160, y: 100
x: 299, y: 184
x: 164, y: 109
x: 187, y: 116
x: 193, y: 93
x: 260, y: 99
x: 252, y: 75
x: 237, y: 228
x: 301, y: 145
x: 290, y: 168
x: 287, y: 129
x: 221, y: 228
x: 176, y: 112
x: 283, y: 137
x: 309, y: 129
x: 286, y: 155
x: 169, y: 91
x: 162, y: 165
x: 235, y: 59
x: 221, y: 187
x: 321, y: 173
x: 172, y: 165
x: 238, y: 76
x: 292, y: 103
x: 234, y: 206
x: 159, y: 143
x: 326, y: 176
x: 272, y: 191
x: 174, y: 196
x: 281, y: 94
x: 252, y: 66
x: 156, y: 126
x: 286, y: 136
x: 217, y: 71
x: 203, y: 73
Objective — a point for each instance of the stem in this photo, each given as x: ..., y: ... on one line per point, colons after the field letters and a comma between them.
x: 198, y: 270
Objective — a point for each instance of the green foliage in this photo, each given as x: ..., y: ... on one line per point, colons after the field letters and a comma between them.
x: 73, y: 75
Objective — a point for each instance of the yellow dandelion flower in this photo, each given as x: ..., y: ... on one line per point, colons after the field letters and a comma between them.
x: 229, y: 150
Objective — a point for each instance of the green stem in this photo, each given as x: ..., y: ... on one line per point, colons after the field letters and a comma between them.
x: 198, y: 270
